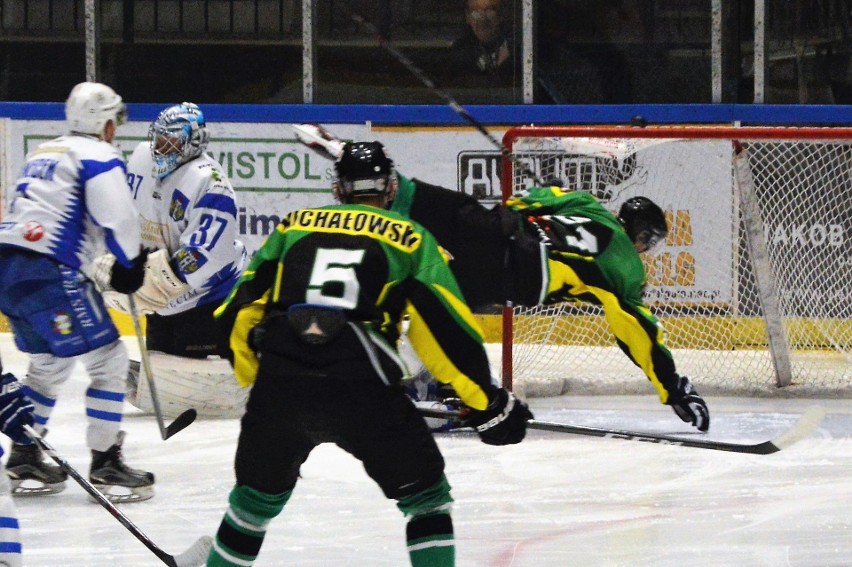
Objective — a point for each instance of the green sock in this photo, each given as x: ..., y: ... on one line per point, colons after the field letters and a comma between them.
x: 243, y: 528
x: 429, y: 533
x: 431, y: 542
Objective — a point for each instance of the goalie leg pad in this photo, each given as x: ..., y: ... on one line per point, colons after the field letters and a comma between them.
x: 207, y: 385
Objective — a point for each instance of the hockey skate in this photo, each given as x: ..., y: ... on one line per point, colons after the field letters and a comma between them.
x: 115, y: 480
x: 31, y: 475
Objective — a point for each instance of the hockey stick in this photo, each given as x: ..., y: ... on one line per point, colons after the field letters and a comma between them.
x: 183, y: 420
x: 320, y: 140
x: 451, y: 102
x: 192, y: 557
x: 801, y: 429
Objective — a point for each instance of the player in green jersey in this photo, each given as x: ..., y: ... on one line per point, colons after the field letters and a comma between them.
x: 313, y: 324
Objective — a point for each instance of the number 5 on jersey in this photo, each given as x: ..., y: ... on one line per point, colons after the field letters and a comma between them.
x: 333, y: 280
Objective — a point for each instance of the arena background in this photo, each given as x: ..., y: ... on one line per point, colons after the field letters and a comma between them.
x: 274, y: 174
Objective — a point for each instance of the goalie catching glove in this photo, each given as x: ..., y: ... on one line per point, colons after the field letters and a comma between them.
x: 159, y: 286
x: 503, y: 422
x: 688, y: 405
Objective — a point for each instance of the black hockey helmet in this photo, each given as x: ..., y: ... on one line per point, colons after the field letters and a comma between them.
x: 644, y: 222
x: 364, y: 168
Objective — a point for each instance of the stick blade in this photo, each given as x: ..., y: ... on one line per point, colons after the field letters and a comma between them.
x: 320, y: 140
x: 180, y: 423
x: 195, y: 555
x: 806, y: 424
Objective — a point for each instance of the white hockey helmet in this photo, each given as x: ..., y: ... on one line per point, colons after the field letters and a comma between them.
x: 178, y: 135
x: 90, y: 106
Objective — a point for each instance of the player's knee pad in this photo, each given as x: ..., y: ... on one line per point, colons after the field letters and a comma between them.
x: 433, y: 500
x: 47, y: 371
x: 108, y: 364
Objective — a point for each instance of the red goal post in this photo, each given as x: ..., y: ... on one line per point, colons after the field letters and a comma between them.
x: 752, y: 286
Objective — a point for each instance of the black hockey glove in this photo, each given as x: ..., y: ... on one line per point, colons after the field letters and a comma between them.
x: 15, y: 409
x: 688, y: 405
x: 503, y: 422
x: 128, y: 280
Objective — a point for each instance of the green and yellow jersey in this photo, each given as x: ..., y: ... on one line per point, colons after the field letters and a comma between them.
x: 592, y: 259
x: 374, y: 266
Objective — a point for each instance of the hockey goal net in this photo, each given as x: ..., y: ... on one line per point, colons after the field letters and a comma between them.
x: 753, y: 286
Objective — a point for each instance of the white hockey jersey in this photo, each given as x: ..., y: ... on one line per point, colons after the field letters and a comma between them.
x: 192, y: 213
x: 71, y: 201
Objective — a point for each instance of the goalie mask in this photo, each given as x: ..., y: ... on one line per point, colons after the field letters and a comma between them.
x: 364, y: 169
x: 177, y: 136
x: 644, y: 222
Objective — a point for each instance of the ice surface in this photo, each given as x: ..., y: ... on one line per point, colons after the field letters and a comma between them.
x: 554, y: 500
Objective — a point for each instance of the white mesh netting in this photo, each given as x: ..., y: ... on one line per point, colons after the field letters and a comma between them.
x: 759, y: 243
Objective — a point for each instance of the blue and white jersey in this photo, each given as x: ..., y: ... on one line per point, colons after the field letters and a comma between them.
x: 192, y: 213
x: 70, y: 201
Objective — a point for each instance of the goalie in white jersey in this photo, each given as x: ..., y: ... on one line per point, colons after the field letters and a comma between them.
x: 70, y: 200
x: 187, y: 210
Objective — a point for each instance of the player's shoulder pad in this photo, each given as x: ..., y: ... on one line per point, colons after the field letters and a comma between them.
x: 203, y: 171
x: 88, y: 148
x: 210, y: 169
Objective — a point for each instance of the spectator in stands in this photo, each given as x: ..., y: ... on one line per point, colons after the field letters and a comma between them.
x: 487, y: 44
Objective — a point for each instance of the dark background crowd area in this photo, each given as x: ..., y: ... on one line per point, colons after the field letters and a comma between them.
x: 601, y: 52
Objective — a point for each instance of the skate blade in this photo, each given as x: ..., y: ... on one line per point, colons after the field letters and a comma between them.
x: 32, y: 487
x: 124, y: 494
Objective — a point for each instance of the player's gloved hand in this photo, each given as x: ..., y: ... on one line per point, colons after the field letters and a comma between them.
x: 101, y: 271
x: 101, y: 274
x: 128, y: 280
x: 256, y: 336
x: 688, y: 405
x: 16, y: 410
x: 503, y: 422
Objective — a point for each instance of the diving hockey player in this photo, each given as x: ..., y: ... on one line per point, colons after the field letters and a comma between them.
x: 70, y: 199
